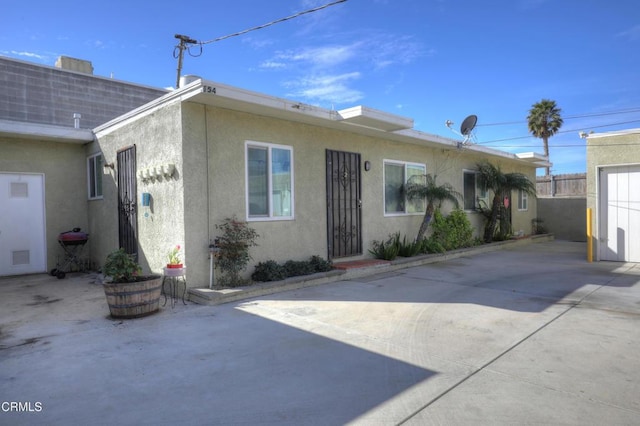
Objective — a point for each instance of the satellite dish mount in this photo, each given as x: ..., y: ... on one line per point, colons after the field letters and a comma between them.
x: 466, y: 129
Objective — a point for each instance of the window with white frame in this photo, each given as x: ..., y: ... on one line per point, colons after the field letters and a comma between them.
x: 94, y: 176
x: 472, y: 192
x: 523, y: 200
x: 269, y: 182
x: 396, y: 175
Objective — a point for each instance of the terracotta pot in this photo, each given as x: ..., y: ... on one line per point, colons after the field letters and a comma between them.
x: 174, y: 265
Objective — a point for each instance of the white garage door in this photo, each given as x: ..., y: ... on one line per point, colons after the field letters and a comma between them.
x: 22, y: 227
x: 619, y: 224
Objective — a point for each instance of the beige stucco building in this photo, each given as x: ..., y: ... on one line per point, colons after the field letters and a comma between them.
x: 311, y: 181
x: 613, y: 194
x: 151, y: 169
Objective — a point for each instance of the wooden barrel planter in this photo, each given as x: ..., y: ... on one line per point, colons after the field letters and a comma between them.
x: 134, y: 299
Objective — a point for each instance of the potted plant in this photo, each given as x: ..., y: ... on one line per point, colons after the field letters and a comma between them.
x: 130, y: 294
x: 174, y: 258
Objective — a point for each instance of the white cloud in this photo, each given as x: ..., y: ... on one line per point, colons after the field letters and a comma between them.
x: 326, y: 56
x: 27, y: 54
x: 273, y: 65
x: 386, y: 50
x: 257, y: 43
x: 326, y: 88
x: 341, y: 64
x: 632, y: 34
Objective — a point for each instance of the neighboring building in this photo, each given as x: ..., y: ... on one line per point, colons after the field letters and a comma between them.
x: 311, y: 181
x: 613, y: 194
x: 43, y: 161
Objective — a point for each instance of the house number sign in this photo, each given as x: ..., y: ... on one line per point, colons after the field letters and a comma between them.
x: 209, y: 89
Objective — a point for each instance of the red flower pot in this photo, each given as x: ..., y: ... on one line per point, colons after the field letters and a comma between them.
x: 174, y: 265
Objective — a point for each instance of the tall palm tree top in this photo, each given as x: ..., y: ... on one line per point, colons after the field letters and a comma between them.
x: 544, y: 119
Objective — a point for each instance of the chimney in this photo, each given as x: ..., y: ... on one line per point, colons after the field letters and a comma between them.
x: 73, y: 64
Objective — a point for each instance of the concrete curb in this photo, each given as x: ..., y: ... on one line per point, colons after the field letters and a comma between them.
x: 205, y: 296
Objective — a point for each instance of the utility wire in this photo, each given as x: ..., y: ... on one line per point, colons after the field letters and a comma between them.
x: 561, y: 131
x: 565, y: 118
x: 568, y: 146
x: 186, y: 42
x: 268, y: 24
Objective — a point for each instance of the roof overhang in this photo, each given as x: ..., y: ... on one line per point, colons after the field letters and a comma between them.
x: 538, y: 160
x: 380, y: 120
x: 360, y: 120
x: 612, y: 133
x: 46, y: 132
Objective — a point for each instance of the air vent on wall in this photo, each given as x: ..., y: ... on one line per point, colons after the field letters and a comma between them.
x: 20, y: 257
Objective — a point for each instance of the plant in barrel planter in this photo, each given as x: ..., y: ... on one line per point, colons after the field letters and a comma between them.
x: 129, y: 294
x: 233, y: 255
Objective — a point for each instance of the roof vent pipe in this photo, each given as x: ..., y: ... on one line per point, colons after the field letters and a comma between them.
x: 76, y: 120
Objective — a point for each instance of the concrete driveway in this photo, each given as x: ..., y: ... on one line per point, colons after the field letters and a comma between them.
x: 525, y: 335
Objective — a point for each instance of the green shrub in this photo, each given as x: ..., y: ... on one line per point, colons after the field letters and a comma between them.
x: 451, y: 232
x: 269, y: 271
x: 407, y: 249
x: 233, y: 257
x: 295, y: 268
x: 387, y: 250
x: 320, y: 265
x: 429, y: 245
x: 273, y: 271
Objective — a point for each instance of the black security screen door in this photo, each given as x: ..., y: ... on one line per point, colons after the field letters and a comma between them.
x: 344, y: 213
x: 127, y: 217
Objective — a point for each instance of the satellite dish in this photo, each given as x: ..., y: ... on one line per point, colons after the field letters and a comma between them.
x: 466, y: 128
x: 468, y: 124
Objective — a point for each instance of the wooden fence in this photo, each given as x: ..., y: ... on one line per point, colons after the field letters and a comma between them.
x: 567, y: 185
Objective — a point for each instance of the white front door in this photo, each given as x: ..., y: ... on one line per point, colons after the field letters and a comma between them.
x: 619, y: 206
x: 22, y: 224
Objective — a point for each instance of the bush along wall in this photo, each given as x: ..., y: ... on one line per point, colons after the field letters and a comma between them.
x: 447, y: 233
x: 271, y: 270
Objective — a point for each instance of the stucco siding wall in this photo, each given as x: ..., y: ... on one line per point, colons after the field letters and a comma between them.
x: 195, y: 176
x: 65, y: 185
x: 564, y: 217
x: 158, y: 140
x: 298, y: 239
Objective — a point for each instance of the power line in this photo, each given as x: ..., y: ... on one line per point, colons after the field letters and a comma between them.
x: 186, y: 42
x: 268, y: 24
x: 627, y: 111
x: 562, y: 131
x: 569, y: 145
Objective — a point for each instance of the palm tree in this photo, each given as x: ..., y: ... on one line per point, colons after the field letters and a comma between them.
x: 424, y: 187
x: 544, y: 121
x: 491, y: 178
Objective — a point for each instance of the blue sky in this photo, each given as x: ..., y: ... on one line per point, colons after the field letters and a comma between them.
x: 431, y: 60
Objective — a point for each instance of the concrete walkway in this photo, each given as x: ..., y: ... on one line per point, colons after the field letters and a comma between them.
x: 527, y: 335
